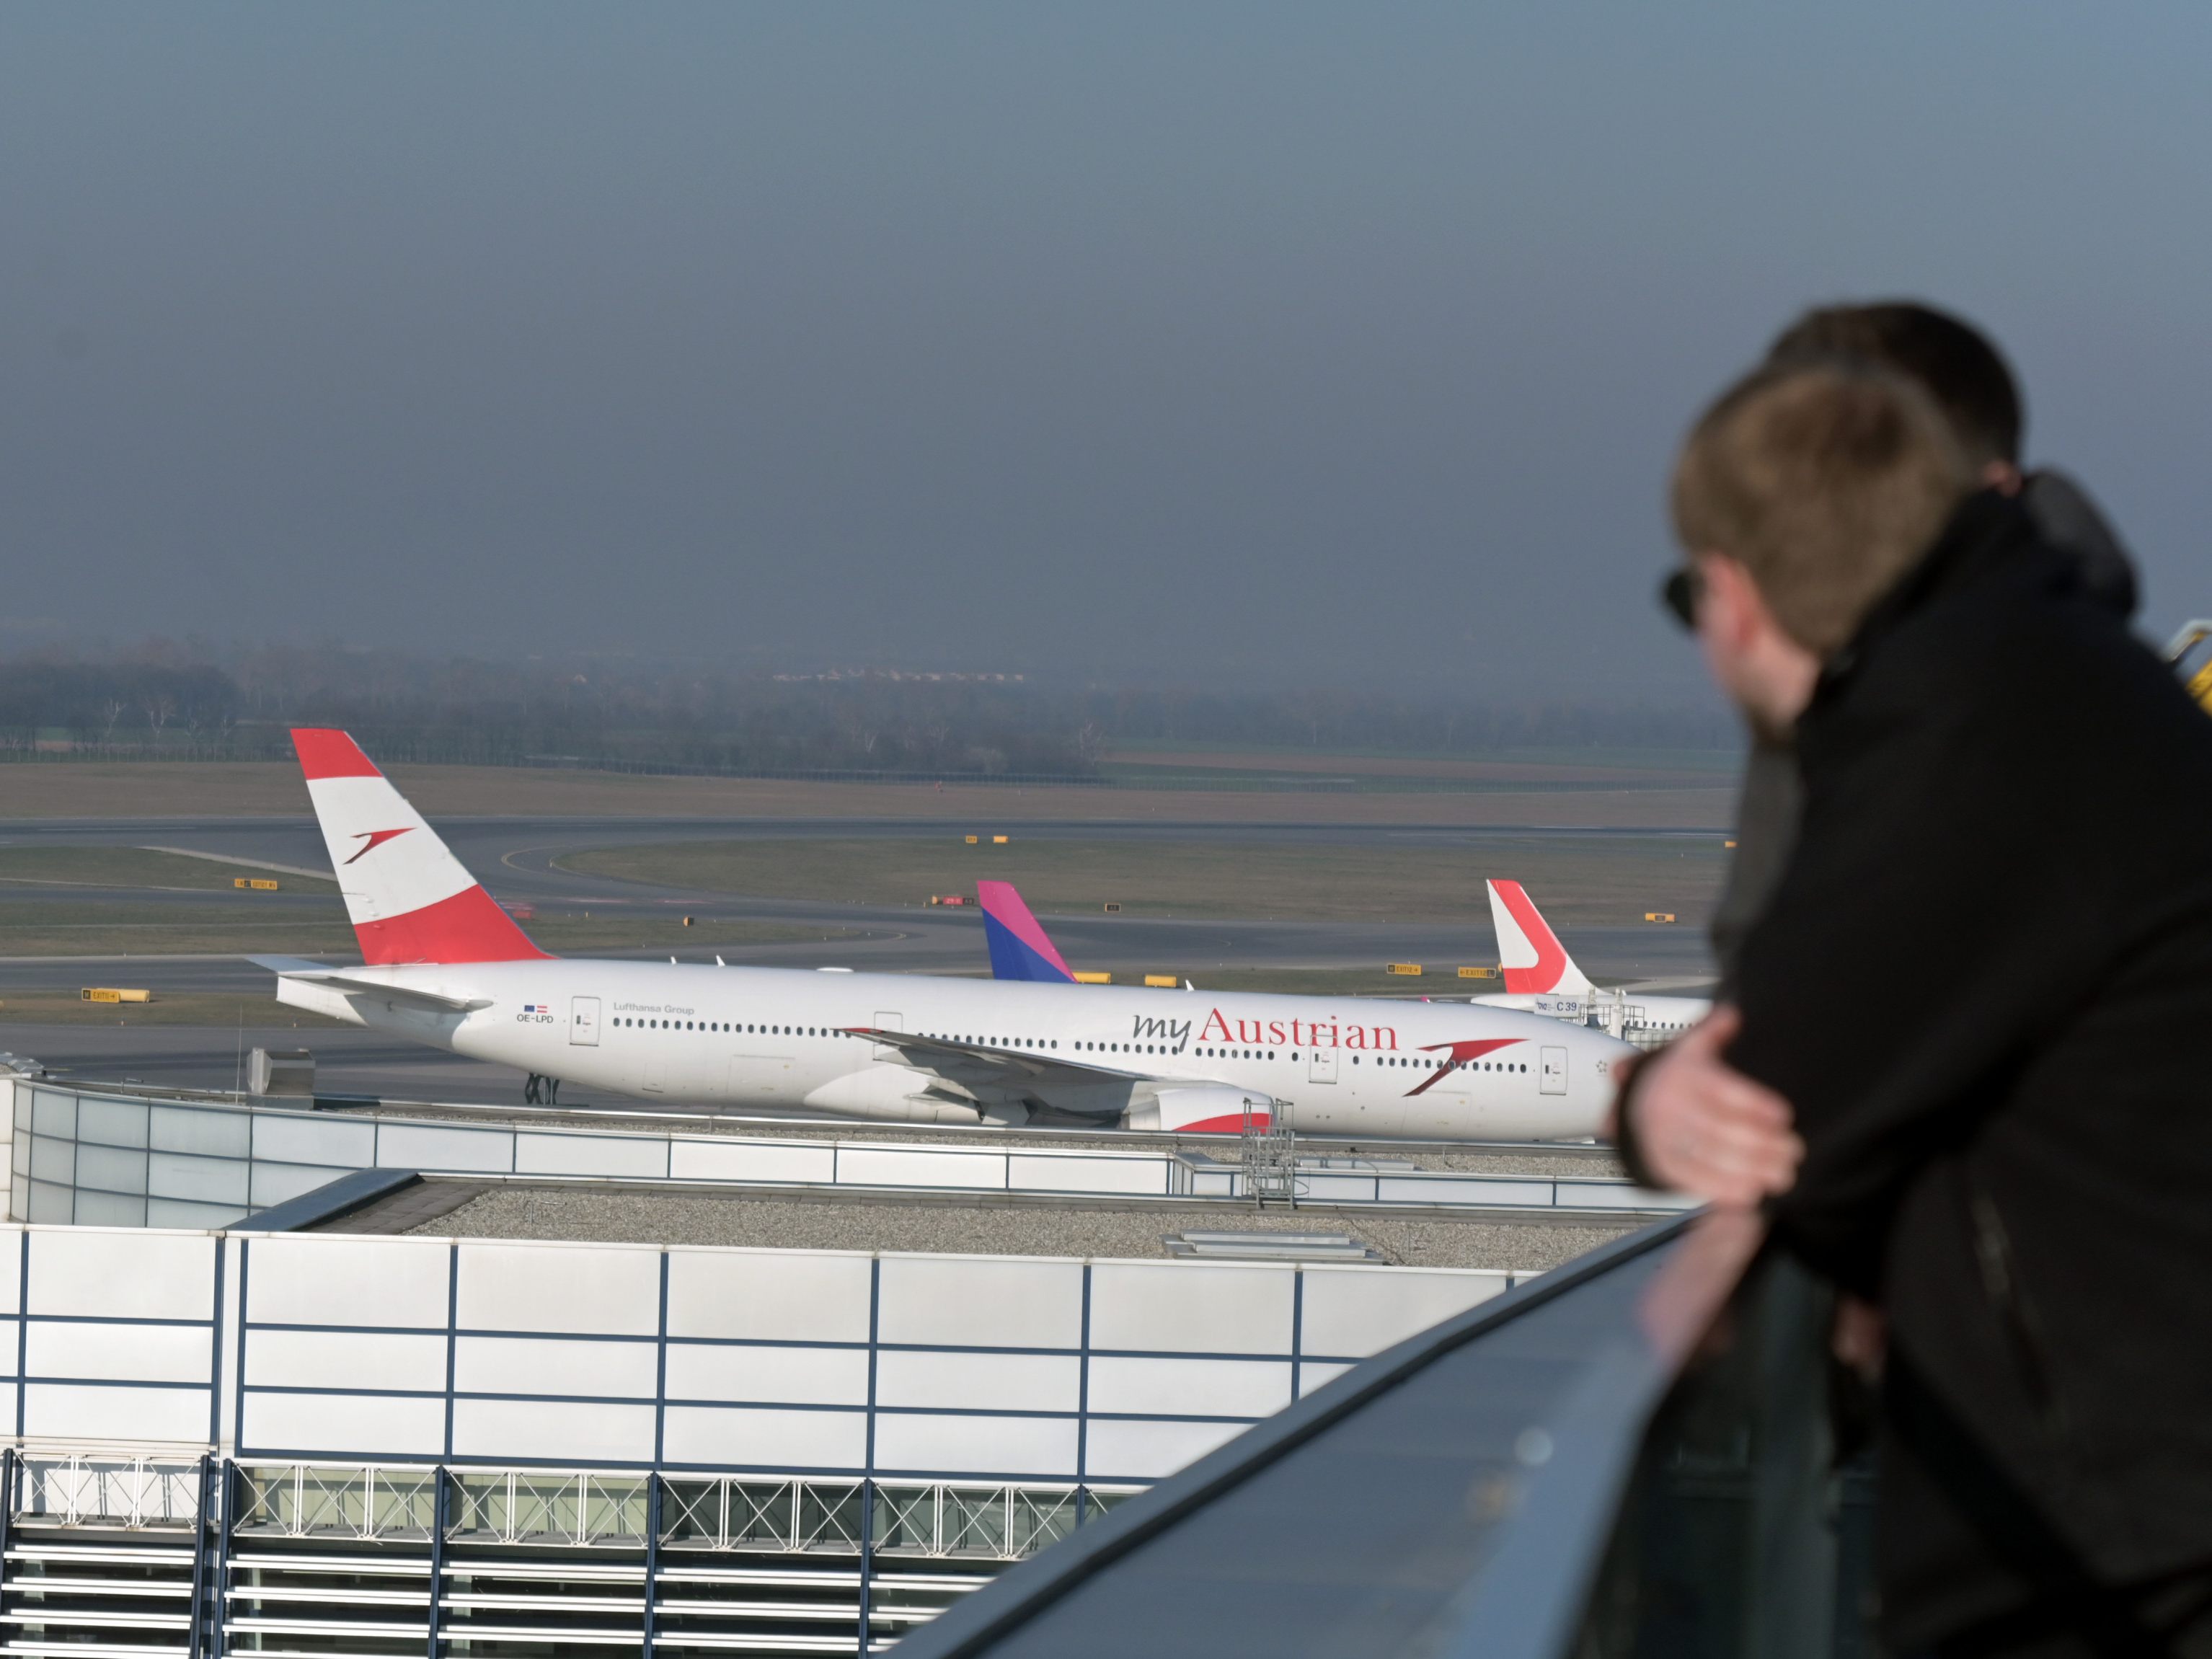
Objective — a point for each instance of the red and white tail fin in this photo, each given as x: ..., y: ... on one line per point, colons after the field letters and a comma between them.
x: 1528, y: 950
x: 410, y: 899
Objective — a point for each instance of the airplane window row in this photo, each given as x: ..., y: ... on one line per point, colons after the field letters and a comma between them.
x: 724, y: 1025
x: 1045, y: 1043
x: 1437, y: 1065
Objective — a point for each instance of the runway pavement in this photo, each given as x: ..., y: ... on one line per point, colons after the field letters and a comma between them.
x: 514, y: 857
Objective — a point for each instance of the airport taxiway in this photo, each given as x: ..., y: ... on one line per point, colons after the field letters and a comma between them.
x: 516, y: 859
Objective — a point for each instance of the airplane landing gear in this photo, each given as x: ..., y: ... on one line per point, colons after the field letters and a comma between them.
x: 541, y: 1091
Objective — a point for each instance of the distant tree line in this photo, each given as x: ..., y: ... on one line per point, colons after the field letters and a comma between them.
x: 170, y: 701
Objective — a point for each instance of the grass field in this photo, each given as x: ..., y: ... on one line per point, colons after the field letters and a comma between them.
x: 29, y: 867
x: 104, y: 930
x: 1518, y: 770
x: 68, y: 1008
x: 40, y: 914
x: 50, y: 927
x: 1603, y: 789
x: 1583, y: 760
x: 1593, y: 879
x: 1440, y: 982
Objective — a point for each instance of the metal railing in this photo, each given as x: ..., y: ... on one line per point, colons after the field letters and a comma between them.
x: 80, y: 1157
x: 369, y: 1505
x: 349, y: 1557
x: 791, y: 1516
x: 132, y: 1493
x: 997, y: 1523
x: 517, y: 1506
x: 1627, y: 1457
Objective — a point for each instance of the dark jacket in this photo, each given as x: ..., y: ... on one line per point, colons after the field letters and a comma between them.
x: 1984, y: 981
x: 1768, y: 803
x: 1767, y: 809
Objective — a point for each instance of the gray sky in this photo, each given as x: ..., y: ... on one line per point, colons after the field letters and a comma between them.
x: 1192, y: 343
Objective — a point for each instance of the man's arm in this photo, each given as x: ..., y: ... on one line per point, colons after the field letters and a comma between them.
x: 1689, y: 1122
x: 1946, y: 906
x: 1767, y: 808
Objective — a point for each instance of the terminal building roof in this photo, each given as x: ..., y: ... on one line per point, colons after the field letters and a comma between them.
x: 463, y: 1208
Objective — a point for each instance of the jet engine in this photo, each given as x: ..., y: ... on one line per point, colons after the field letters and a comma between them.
x: 1202, y: 1108
x: 892, y: 1094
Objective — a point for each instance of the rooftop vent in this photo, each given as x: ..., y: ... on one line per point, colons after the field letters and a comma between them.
x: 1270, y: 1246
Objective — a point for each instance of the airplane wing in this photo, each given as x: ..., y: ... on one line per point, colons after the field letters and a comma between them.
x: 982, y: 1063
x: 339, y: 979
x: 1144, y: 1100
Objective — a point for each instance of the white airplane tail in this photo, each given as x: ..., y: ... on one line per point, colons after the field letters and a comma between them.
x: 409, y: 898
x: 1528, y: 950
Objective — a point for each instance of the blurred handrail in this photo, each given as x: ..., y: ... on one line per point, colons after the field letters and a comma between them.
x: 1550, y: 1554
x: 1566, y: 1500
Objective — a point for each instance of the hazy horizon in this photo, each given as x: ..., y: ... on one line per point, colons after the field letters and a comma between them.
x: 1229, y: 345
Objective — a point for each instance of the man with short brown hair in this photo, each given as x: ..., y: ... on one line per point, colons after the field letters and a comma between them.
x: 1966, y: 1071
x: 1825, y: 483
x: 1965, y: 374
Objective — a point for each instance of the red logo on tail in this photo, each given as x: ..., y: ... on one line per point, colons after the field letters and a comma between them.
x: 375, y: 839
x: 1550, y: 963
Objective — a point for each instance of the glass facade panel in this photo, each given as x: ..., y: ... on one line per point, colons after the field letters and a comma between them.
x: 95, y: 1209
x: 54, y: 1113
x: 202, y: 1180
x: 111, y: 1122
x: 183, y: 1212
x: 112, y: 1170
x: 50, y: 1203
x: 213, y: 1134
x: 53, y: 1160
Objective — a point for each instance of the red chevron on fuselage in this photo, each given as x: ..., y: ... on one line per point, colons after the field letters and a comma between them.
x: 1460, y: 1053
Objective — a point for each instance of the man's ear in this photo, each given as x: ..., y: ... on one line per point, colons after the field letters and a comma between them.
x: 1752, y: 658
x: 1731, y: 609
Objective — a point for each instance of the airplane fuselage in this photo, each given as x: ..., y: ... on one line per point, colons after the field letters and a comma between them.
x: 1647, y: 1022
x: 737, y: 1037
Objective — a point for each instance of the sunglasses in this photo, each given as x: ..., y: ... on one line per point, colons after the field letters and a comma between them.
x: 1681, y: 593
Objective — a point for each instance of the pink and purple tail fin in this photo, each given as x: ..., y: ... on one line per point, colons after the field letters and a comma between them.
x: 1019, y: 949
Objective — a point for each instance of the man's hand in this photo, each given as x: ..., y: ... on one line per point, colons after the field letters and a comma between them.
x: 1704, y: 1128
x: 1860, y: 1337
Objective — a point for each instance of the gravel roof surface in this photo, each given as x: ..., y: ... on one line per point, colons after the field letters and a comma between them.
x: 1569, y: 1162
x: 633, y: 1217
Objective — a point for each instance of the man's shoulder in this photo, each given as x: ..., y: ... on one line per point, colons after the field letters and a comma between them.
x: 2067, y: 516
x: 2030, y: 712
x: 2019, y: 641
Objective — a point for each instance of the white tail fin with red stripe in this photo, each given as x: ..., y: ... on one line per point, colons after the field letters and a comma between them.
x: 410, y: 899
x: 1528, y: 950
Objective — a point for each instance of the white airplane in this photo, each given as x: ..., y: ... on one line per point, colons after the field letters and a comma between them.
x: 1541, y: 977
x: 446, y: 966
